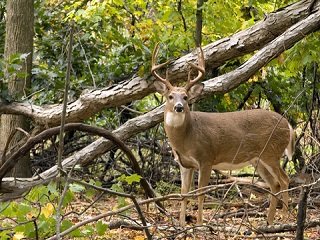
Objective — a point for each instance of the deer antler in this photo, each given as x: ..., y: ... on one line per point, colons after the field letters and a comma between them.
x: 155, y: 67
x: 201, y: 70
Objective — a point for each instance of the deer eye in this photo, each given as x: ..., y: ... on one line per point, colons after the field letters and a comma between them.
x: 185, y: 98
x: 170, y: 97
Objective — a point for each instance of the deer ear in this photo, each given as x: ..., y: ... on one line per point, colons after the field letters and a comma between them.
x: 160, y: 87
x: 195, y: 90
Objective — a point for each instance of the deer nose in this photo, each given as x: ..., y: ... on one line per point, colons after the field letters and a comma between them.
x: 178, y: 107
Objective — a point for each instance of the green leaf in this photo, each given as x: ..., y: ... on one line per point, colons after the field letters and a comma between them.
x: 68, y: 198
x: 27, y: 229
x: 52, y: 188
x: 66, y: 224
x: 77, y: 188
x: 133, y: 178
x: 88, y: 230
x: 101, y: 228
x: 122, y: 202
x: 118, y: 2
x: 117, y: 187
x: 5, y: 234
x: 130, y: 179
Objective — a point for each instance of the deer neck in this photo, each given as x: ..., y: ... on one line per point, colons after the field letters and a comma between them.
x: 177, y: 125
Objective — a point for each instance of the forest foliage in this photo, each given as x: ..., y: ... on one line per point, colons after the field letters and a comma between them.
x: 113, y: 41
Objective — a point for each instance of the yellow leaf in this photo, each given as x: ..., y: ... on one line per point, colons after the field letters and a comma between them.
x: 47, y: 210
x: 264, y: 73
x: 281, y: 58
x: 252, y: 196
x: 254, y: 78
x: 227, y: 98
x: 139, y: 237
x: 18, y: 236
x: 30, y: 215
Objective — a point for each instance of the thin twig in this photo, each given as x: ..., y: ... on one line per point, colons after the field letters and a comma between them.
x: 32, y: 94
x: 143, y: 220
x: 132, y: 110
x: 87, y: 62
x: 3, y: 157
x: 36, y: 228
x: 65, y: 101
x: 61, y: 140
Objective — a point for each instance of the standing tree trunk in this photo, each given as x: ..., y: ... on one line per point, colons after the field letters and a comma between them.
x: 19, y: 40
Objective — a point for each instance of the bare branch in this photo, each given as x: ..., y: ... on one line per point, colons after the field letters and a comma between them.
x: 13, y: 159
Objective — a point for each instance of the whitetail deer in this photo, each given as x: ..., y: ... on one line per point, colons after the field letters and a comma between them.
x: 222, y: 141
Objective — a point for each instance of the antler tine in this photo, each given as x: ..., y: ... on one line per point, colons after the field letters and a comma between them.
x: 155, y: 67
x: 201, y: 70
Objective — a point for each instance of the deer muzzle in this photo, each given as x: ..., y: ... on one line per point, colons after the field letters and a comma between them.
x: 178, y: 107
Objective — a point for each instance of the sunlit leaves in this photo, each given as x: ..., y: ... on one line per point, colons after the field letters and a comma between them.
x: 18, y: 236
x: 39, y: 208
x: 115, y: 37
x: 47, y: 210
x: 67, y: 224
x: 133, y: 178
x: 5, y: 234
x: 303, y: 53
x: 77, y: 188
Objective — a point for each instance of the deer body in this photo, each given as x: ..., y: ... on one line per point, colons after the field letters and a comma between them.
x: 223, y: 141
x: 232, y: 139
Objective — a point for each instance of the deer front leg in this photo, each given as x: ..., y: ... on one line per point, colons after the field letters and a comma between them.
x: 204, y: 177
x: 186, y: 178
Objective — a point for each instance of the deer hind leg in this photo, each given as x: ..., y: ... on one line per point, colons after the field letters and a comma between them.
x: 186, y: 178
x: 204, y: 177
x: 284, y: 185
x: 280, y: 182
x: 274, y: 187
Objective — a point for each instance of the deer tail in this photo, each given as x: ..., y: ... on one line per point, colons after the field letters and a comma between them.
x: 290, y: 148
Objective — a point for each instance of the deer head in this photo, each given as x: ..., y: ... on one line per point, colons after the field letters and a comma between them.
x: 177, y: 98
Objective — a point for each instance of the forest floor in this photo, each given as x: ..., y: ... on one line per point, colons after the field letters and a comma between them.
x: 234, y: 218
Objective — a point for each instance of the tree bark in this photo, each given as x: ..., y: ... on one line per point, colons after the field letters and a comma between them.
x: 198, y: 35
x: 19, y: 40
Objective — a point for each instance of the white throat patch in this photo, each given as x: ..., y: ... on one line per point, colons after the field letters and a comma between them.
x: 175, y: 119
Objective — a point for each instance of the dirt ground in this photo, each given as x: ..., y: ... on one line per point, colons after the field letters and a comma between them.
x: 234, y: 218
